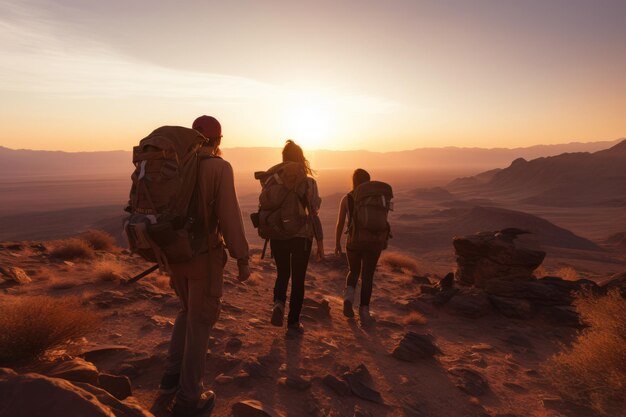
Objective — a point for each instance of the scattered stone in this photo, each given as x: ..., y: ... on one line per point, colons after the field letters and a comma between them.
x: 422, y: 280
x: 480, y: 347
x: 15, y: 274
x: 319, y: 310
x: 469, y: 381
x: 469, y: 303
x: 75, y: 370
x: 116, y: 385
x: 515, y: 387
x: 233, y: 345
x: 340, y: 386
x: 162, y: 321
x: 446, y: 283
x: 296, y: 382
x: 37, y: 395
x: 254, y: 368
x: 414, y: 346
x: 221, y: 363
x: 253, y: 408
x: 360, y: 382
x: 222, y: 379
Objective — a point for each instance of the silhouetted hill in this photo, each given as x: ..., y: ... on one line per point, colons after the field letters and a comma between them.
x: 445, y: 224
x: 570, y: 179
x: 22, y: 163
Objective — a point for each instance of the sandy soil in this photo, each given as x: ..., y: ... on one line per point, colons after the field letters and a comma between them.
x: 508, y: 353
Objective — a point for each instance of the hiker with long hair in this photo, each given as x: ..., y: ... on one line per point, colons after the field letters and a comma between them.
x: 366, y: 208
x: 288, y: 218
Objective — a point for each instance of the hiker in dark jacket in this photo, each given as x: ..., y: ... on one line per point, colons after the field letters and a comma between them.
x: 362, y: 261
x: 292, y: 254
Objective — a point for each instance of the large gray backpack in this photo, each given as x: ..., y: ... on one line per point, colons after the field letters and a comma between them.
x: 368, y: 207
x: 163, y: 200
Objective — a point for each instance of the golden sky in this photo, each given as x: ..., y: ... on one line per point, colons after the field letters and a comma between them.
x: 380, y: 75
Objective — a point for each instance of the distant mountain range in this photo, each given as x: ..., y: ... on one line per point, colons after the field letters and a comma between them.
x: 28, y: 163
x: 569, y: 179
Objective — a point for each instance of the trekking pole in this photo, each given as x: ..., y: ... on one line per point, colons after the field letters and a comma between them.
x: 143, y: 274
x: 264, y: 248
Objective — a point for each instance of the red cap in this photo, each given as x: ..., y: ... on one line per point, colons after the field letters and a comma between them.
x: 208, y: 126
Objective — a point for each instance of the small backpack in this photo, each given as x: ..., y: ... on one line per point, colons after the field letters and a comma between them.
x: 368, y: 207
x: 163, y: 200
x: 283, y: 206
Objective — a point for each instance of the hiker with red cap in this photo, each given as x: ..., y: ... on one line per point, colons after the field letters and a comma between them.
x: 184, y: 215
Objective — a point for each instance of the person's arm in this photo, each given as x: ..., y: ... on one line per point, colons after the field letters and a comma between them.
x: 230, y: 220
x: 341, y: 221
x: 315, y: 203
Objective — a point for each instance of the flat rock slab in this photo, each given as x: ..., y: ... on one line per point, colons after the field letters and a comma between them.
x: 415, y: 346
x: 469, y: 381
x: 360, y: 382
x: 15, y: 274
x: 253, y: 408
x: 75, y: 370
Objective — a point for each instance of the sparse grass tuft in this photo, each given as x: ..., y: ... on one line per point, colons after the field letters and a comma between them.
x: 72, y: 248
x: 414, y: 318
x: 162, y: 282
x: 592, y: 371
x: 398, y: 261
x: 31, y: 326
x: 109, y: 271
x: 98, y: 239
x: 568, y: 274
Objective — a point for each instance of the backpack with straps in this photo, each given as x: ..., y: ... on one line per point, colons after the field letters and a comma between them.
x: 283, y: 207
x: 163, y: 200
x: 368, y: 207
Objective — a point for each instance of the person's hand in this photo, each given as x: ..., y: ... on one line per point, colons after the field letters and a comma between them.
x: 244, y: 272
x: 338, y: 249
x: 320, y: 250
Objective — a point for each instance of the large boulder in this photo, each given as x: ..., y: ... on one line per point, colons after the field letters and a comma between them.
x: 37, y: 395
x: 488, y: 256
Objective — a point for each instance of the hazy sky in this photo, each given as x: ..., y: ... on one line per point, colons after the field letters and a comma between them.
x: 378, y: 75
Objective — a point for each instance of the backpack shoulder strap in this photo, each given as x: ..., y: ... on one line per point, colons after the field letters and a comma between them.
x: 350, y: 201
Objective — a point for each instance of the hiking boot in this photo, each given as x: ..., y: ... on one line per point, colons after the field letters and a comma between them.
x: 365, y: 316
x: 204, y: 406
x: 348, y: 301
x: 278, y: 314
x: 169, y: 383
x: 295, y: 330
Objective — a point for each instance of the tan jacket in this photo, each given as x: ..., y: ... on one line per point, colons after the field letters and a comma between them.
x: 218, y: 199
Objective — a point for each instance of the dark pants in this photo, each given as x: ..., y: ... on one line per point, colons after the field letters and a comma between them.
x: 292, y: 259
x: 363, y: 263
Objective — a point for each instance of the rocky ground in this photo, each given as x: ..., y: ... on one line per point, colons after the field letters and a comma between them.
x: 435, y: 350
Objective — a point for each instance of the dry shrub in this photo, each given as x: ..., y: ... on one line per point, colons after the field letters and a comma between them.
x: 31, y: 326
x: 162, y: 282
x: 72, y: 248
x: 593, y: 370
x: 398, y: 261
x: 568, y: 274
x: 414, y: 318
x: 98, y: 239
x: 109, y: 271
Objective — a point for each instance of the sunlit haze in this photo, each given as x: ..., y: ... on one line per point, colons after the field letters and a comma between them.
x: 100, y: 75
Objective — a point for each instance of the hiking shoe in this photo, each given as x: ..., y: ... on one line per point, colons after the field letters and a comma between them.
x: 365, y: 316
x: 205, y: 405
x: 278, y: 314
x: 295, y: 330
x: 169, y: 383
x: 348, y: 301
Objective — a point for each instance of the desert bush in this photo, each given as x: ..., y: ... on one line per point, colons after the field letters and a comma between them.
x: 568, y: 273
x: 593, y: 370
x: 98, y: 239
x: 109, y: 271
x: 399, y: 261
x: 414, y: 318
x: 72, y: 248
x: 31, y: 326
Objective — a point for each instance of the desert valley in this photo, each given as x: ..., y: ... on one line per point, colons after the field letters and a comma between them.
x: 442, y: 344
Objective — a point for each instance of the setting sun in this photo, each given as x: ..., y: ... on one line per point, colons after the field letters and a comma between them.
x: 309, y: 125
